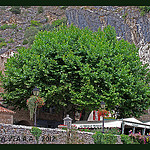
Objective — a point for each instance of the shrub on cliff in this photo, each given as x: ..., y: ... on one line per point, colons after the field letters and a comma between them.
x: 40, y: 9
x: 30, y: 33
x: 15, y: 9
x: 78, y: 68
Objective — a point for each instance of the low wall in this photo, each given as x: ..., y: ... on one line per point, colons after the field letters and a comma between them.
x: 17, y: 134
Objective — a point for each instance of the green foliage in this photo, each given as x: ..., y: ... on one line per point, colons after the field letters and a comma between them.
x: 13, y: 26
x: 100, y: 138
x: 55, y: 24
x: 2, y: 39
x: 5, y: 26
x: 86, y: 130
x: 40, y: 9
x: 139, y: 139
x: 2, y: 44
x: 128, y: 140
x: 11, y: 41
x: 144, y: 10
x: 36, y: 133
x: 125, y: 15
x: 63, y: 7
x: 26, y: 7
x: 59, y: 22
x: 30, y: 33
x: 34, y: 23
x: 20, y: 28
x: 15, y: 9
x: 78, y: 68
x: 25, y: 42
x: 115, y: 131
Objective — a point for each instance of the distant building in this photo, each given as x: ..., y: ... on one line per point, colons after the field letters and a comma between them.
x: 6, y: 115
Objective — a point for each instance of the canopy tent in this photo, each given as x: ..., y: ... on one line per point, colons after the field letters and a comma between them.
x: 147, y: 123
x: 132, y: 122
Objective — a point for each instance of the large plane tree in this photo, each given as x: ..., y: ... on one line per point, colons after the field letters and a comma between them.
x: 76, y: 69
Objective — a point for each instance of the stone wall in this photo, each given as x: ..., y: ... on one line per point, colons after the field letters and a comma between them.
x: 16, y: 134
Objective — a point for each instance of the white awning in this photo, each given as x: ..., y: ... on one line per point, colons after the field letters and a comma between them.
x: 148, y: 123
x: 116, y: 123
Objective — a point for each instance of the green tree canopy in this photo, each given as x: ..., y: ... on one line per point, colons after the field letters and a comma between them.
x: 78, y: 68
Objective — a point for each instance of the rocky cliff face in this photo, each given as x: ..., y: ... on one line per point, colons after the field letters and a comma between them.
x: 22, y: 21
x: 127, y: 20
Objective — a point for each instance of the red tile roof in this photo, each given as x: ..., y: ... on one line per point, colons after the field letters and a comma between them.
x: 2, y: 109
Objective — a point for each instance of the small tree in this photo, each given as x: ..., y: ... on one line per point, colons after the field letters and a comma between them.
x: 36, y: 133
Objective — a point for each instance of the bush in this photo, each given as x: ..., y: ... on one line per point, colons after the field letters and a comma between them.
x: 5, y: 26
x: 126, y: 139
x: 20, y: 28
x: 30, y: 40
x: 55, y: 24
x: 30, y: 34
x: 15, y: 9
x: 2, y: 44
x: 25, y: 42
x: 100, y: 138
x: 34, y: 23
x: 2, y: 39
x: 144, y: 10
x: 40, y: 9
x: 141, y: 139
x: 63, y: 7
x: 59, y: 22
x: 13, y: 26
x: 11, y: 41
x: 115, y: 131
x: 36, y: 133
x: 31, y: 31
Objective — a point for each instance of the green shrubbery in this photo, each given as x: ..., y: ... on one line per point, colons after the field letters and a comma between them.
x: 11, y: 41
x: 2, y: 39
x: 29, y: 34
x: 6, y: 26
x: 36, y: 133
x: 144, y: 10
x: 25, y: 42
x: 15, y: 9
x: 34, y: 23
x: 40, y: 9
x: 100, y: 138
x: 2, y: 44
x: 55, y: 24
